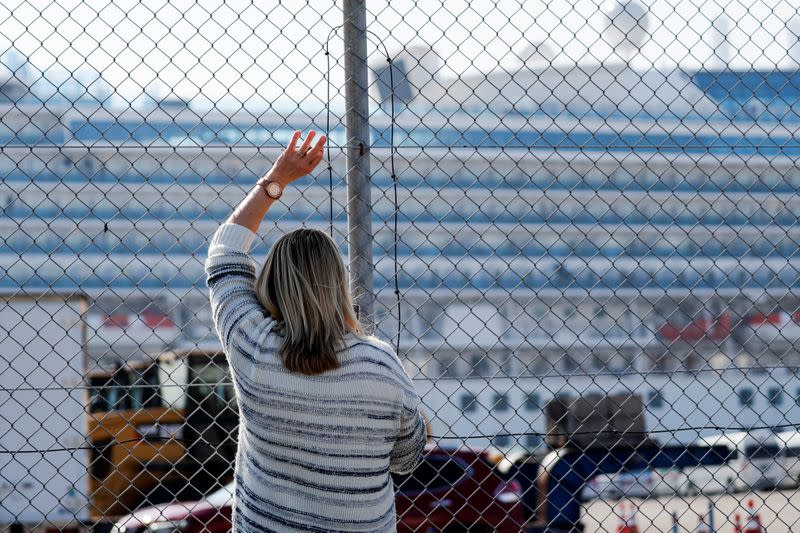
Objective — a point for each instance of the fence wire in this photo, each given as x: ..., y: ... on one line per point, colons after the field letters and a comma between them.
x: 585, y: 246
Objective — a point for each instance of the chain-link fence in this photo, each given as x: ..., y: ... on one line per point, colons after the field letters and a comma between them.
x: 581, y: 237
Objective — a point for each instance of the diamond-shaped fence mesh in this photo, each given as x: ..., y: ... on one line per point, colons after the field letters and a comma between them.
x: 581, y: 239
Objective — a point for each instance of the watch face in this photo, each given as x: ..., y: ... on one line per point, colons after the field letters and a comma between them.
x: 274, y: 189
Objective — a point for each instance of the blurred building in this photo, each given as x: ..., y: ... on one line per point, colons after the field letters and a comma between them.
x: 586, y: 220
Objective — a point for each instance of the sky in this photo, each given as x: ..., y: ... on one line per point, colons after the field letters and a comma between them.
x: 266, y: 52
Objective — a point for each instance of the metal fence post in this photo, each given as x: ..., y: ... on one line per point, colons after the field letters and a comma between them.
x: 359, y: 202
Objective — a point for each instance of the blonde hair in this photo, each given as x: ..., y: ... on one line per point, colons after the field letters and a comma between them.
x: 303, y: 285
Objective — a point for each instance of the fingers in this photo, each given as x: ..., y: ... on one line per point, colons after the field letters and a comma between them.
x: 307, y: 157
x: 320, y: 144
x: 307, y: 143
x: 315, y: 160
x: 317, y: 152
x: 293, y: 143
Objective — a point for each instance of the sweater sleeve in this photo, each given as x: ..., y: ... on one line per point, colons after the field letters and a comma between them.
x: 411, y: 438
x: 230, y: 276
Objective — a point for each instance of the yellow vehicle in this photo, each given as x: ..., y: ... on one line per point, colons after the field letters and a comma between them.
x: 160, y: 432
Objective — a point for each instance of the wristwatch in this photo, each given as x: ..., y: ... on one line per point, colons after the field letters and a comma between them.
x: 273, y: 189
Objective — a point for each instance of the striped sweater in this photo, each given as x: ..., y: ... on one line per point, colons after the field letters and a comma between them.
x: 314, y: 452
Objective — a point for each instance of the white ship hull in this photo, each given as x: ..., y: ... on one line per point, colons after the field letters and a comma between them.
x: 679, y: 406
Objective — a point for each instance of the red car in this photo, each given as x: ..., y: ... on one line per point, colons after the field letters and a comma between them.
x: 452, y: 490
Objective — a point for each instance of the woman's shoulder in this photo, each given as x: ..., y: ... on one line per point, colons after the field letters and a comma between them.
x: 359, y: 343
x: 377, y: 348
x: 377, y: 342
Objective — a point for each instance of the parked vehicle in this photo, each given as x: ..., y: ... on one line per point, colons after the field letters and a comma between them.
x: 753, y: 463
x: 789, y: 441
x: 152, y: 427
x: 450, y: 491
x: 504, y: 459
x: 211, y: 514
x: 456, y: 491
x: 639, y: 483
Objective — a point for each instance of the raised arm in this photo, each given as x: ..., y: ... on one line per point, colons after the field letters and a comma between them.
x: 230, y: 271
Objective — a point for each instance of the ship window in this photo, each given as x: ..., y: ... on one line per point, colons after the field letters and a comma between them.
x: 746, y: 397
x: 775, y: 396
x: 532, y: 402
x: 793, y: 452
x: 533, y: 441
x: 468, y: 403
x: 480, y: 364
x: 762, y: 451
x: 501, y: 402
x: 655, y: 399
x: 100, y: 463
x: 99, y: 388
x: 211, y: 388
x: 145, y: 391
x: 501, y: 440
x: 449, y: 366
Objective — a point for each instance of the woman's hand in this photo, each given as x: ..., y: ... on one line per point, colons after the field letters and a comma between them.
x: 294, y: 163
x: 291, y: 165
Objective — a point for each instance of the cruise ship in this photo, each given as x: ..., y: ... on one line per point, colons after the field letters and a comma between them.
x: 562, y: 230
